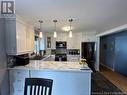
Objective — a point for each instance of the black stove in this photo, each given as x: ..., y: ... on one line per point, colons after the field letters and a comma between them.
x: 61, y: 57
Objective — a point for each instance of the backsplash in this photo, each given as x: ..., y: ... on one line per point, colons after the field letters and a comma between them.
x: 69, y: 51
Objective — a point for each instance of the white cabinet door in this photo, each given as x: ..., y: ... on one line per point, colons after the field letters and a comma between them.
x: 74, y: 42
x: 21, y: 37
x: 70, y: 43
x: 17, y: 81
x: 61, y: 37
x: 77, y: 40
x: 30, y: 38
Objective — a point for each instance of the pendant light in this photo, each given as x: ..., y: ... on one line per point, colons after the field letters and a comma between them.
x: 40, y: 32
x: 70, y: 31
x: 55, y: 33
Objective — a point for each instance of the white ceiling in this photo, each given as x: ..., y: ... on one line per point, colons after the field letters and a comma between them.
x: 88, y: 15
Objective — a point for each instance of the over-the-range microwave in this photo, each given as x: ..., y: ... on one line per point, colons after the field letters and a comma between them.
x: 61, y: 44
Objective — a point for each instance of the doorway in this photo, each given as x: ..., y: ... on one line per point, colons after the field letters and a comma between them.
x: 120, y: 65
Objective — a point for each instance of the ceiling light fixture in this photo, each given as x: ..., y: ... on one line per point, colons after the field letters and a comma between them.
x: 70, y: 31
x: 55, y: 33
x: 40, y: 32
x: 66, y: 28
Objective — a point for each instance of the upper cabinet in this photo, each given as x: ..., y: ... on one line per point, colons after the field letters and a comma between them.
x: 74, y: 42
x: 19, y: 36
x: 30, y: 38
x: 51, y: 41
x: 61, y: 37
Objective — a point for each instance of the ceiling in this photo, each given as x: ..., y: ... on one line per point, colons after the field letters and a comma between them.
x: 88, y: 15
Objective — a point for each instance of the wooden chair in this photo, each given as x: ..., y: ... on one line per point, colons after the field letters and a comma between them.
x: 38, y: 86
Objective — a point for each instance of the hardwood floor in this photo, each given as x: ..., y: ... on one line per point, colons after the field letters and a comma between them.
x: 102, y: 86
x: 117, y: 79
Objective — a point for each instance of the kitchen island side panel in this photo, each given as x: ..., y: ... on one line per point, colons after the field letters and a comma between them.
x: 66, y: 82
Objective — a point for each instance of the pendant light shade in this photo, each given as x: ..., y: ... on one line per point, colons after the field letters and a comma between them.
x: 55, y: 33
x: 40, y: 35
x: 40, y: 32
x: 70, y: 31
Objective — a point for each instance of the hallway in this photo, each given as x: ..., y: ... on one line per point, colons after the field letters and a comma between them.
x: 102, y: 86
x: 117, y: 79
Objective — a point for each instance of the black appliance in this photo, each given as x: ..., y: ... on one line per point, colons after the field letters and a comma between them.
x: 21, y: 60
x: 73, y: 51
x: 61, y: 57
x: 88, y: 52
x: 61, y: 51
x: 61, y: 44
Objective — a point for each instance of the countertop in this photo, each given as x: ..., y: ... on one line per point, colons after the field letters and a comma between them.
x: 54, y: 66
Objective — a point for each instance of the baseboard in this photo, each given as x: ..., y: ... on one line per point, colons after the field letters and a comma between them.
x: 107, y: 67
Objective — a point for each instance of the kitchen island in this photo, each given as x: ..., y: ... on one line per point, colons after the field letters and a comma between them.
x: 68, y: 78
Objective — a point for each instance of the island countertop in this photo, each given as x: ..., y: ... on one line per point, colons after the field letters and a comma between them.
x: 54, y: 66
x: 67, y: 75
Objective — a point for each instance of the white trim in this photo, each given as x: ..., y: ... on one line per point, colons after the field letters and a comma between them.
x: 114, y: 30
x: 97, y: 53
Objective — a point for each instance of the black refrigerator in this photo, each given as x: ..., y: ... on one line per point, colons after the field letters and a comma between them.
x: 88, y: 52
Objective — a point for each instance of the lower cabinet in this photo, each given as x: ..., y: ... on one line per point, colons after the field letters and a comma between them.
x: 17, y: 81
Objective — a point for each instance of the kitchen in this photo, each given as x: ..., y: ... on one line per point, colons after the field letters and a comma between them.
x: 65, y: 61
x: 62, y: 41
x: 72, y: 46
